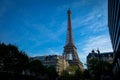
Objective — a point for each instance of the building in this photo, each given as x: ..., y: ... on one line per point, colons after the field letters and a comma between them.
x: 98, y: 57
x: 105, y: 56
x: 100, y: 64
x: 70, y: 50
x: 114, y: 30
x: 56, y: 61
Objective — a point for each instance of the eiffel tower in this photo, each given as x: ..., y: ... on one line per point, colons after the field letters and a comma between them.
x: 70, y: 50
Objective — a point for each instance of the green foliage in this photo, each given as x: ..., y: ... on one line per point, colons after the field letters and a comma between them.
x: 72, y: 73
x: 72, y: 68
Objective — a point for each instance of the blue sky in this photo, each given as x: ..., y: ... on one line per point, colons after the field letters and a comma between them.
x: 38, y: 27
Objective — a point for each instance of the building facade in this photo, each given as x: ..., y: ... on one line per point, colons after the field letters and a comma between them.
x: 100, y: 64
x: 114, y: 30
x: 105, y: 56
x: 56, y: 61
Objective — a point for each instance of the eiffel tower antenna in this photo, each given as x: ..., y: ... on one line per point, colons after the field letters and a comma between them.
x: 69, y: 38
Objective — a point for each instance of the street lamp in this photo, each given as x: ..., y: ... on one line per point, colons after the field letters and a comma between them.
x: 100, y: 63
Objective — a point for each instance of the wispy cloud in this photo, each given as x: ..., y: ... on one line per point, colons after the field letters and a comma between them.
x: 95, y: 20
x: 102, y: 42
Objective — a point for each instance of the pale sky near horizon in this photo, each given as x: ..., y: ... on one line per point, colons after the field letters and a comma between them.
x: 38, y: 27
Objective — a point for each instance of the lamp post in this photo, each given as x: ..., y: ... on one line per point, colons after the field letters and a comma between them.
x: 100, y: 64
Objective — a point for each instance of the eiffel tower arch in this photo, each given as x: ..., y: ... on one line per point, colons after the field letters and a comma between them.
x: 70, y: 50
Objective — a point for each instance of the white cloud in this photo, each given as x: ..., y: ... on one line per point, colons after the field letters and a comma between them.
x: 95, y: 20
x: 102, y: 42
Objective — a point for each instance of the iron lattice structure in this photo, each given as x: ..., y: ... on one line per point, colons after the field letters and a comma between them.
x: 70, y: 50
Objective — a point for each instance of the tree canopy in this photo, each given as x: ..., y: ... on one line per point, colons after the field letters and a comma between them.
x: 12, y: 59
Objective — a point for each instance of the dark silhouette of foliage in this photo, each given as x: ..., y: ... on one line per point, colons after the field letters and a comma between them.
x: 86, y: 74
x: 65, y: 74
x: 78, y: 74
x: 12, y: 60
x: 98, y: 67
x: 36, y: 67
x: 52, y: 74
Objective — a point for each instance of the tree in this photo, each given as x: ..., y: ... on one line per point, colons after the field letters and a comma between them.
x: 52, y: 74
x: 36, y: 67
x: 93, y: 65
x: 98, y: 67
x: 72, y: 73
x: 12, y: 60
x: 65, y: 73
x: 86, y: 74
x: 78, y: 74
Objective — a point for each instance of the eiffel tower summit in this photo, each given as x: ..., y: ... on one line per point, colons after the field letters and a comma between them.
x: 70, y: 50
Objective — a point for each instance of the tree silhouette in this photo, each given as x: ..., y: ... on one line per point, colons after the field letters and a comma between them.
x: 98, y: 67
x: 78, y: 74
x: 52, y: 74
x: 86, y: 74
x: 12, y: 60
x: 36, y: 68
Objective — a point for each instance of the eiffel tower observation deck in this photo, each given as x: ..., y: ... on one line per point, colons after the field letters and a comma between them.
x: 70, y: 50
